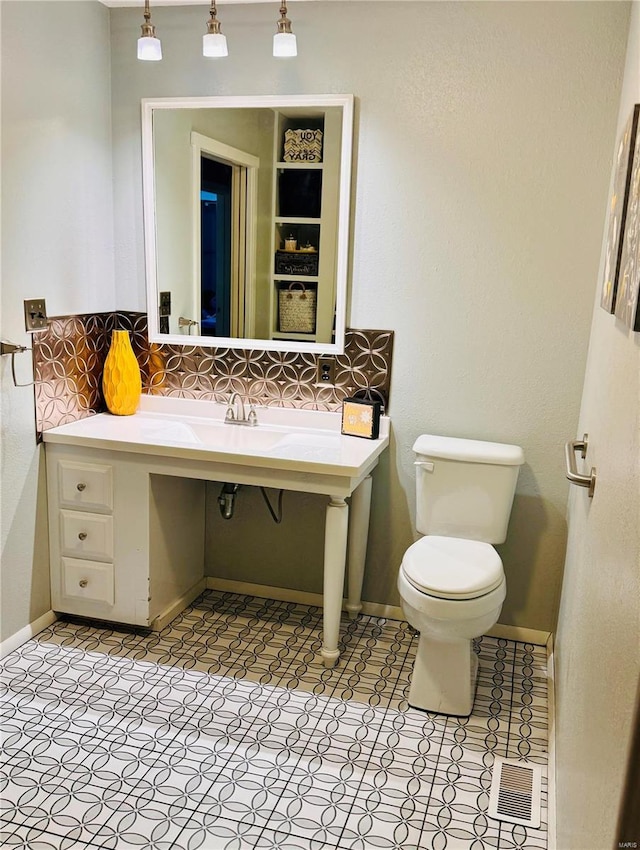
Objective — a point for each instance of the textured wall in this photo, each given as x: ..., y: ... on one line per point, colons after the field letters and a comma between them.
x: 598, y: 641
x: 57, y: 242
x: 483, y: 140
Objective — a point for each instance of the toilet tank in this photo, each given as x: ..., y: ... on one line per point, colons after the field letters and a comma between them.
x: 465, y: 488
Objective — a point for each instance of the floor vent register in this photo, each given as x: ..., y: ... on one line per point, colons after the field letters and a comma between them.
x: 515, y: 792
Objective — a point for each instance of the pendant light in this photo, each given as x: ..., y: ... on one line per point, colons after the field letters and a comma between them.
x: 284, y: 41
x: 214, y: 43
x: 149, y: 47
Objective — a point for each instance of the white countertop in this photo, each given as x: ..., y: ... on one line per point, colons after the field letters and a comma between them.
x: 285, y: 438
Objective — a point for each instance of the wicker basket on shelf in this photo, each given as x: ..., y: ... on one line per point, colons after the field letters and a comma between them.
x: 297, y: 309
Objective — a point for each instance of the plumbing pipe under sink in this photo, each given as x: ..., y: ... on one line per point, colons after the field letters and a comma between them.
x: 227, y: 500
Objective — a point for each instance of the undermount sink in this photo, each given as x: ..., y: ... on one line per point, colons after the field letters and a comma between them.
x: 285, y: 438
x: 278, y: 441
x: 174, y: 432
x: 221, y: 435
x: 239, y: 437
x: 311, y: 446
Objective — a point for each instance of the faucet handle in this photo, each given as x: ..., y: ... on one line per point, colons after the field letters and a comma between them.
x: 229, y: 415
x: 252, y: 417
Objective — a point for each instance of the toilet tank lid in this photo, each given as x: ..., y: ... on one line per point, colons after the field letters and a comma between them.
x: 471, y: 451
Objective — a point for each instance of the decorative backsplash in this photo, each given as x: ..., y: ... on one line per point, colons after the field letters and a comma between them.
x: 69, y: 357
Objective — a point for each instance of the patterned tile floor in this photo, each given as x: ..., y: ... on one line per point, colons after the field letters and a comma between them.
x: 224, y: 732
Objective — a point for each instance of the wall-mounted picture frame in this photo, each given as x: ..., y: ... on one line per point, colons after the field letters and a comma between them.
x: 627, y: 305
x: 617, y: 211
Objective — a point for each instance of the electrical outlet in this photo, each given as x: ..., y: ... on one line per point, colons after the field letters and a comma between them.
x: 35, y: 315
x: 326, y: 371
x: 165, y: 303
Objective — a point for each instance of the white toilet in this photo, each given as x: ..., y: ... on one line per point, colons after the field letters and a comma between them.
x: 451, y: 581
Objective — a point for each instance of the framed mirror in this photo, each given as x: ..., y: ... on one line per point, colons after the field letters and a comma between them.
x: 246, y: 220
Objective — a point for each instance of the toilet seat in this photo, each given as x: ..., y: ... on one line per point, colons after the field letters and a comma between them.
x: 452, y: 568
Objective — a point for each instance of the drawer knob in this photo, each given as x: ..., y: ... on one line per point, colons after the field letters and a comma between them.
x: 81, y: 486
x: 82, y: 535
x: 83, y: 582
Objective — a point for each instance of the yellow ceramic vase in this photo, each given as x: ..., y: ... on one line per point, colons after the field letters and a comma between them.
x: 121, y: 383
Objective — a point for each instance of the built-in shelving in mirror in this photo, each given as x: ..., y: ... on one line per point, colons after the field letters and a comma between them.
x: 246, y: 206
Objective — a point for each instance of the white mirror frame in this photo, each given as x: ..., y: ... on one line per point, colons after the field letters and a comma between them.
x: 149, y: 105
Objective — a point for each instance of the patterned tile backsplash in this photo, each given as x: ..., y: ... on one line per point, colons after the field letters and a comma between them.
x: 69, y: 356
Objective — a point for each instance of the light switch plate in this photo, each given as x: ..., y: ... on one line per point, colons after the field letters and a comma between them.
x: 165, y: 303
x: 35, y: 315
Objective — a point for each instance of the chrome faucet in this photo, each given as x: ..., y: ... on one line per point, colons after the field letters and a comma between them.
x: 235, y: 414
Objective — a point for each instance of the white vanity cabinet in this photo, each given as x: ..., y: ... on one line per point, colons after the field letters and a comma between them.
x: 82, y: 527
x: 125, y: 545
x: 127, y: 503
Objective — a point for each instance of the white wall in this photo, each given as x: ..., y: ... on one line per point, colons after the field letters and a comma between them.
x: 598, y: 641
x: 174, y: 213
x: 57, y: 241
x: 483, y: 141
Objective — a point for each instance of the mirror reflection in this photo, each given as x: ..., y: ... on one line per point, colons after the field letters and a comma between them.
x: 246, y: 220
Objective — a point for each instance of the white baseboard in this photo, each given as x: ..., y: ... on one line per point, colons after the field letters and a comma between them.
x: 179, y: 605
x: 518, y: 633
x: 26, y: 633
x: 373, y: 609
x: 263, y: 591
x: 300, y: 597
x: 551, y: 756
x: 378, y: 609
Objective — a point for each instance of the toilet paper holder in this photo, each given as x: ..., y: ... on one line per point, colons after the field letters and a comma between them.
x: 13, y: 349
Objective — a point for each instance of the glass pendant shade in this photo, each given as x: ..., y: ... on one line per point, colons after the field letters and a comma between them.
x: 284, y: 44
x: 149, y: 49
x: 214, y: 44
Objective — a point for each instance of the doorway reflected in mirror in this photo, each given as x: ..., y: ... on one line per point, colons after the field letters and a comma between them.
x: 216, y: 239
x: 231, y: 218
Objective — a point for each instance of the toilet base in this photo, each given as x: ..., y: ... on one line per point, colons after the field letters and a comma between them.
x: 444, y: 677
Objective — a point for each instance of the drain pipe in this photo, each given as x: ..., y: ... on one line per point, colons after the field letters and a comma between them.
x: 227, y: 500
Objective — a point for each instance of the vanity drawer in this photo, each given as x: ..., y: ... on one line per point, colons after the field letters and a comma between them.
x: 86, y: 535
x: 89, y: 580
x: 85, y: 485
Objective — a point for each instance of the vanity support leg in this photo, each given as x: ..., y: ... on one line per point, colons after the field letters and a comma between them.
x: 335, y: 551
x: 357, y: 552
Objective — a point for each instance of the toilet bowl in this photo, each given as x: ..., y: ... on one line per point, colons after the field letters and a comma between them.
x: 445, y: 671
x: 451, y: 581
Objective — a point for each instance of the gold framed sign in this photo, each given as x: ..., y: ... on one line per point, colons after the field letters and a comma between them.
x: 361, y: 418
